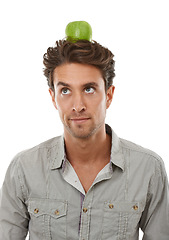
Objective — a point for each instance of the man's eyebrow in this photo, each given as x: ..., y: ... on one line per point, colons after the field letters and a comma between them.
x: 90, y: 84
x: 63, y: 84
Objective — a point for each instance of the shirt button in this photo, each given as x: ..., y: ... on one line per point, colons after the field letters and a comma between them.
x: 111, y: 206
x: 57, y: 212
x: 84, y: 210
x: 36, y: 210
x: 135, y: 207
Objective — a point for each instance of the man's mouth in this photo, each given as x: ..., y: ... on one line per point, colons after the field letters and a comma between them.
x: 79, y: 119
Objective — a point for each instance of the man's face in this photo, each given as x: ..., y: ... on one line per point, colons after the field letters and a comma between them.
x: 80, y: 99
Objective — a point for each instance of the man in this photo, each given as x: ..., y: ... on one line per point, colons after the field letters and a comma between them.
x: 87, y: 184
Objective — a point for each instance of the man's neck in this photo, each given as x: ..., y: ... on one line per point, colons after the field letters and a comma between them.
x: 90, y: 150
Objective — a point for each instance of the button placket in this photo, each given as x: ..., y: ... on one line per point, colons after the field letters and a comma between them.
x: 85, y: 222
x: 84, y: 210
x: 85, y: 215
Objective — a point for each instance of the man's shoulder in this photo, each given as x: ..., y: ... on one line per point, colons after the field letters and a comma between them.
x: 138, y: 149
x: 143, y: 158
x: 40, y: 148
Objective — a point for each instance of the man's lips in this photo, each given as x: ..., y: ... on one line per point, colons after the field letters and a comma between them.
x: 79, y: 120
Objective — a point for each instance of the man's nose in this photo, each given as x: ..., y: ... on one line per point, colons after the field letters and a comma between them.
x: 78, y: 103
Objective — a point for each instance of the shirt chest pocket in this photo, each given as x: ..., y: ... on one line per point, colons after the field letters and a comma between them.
x: 120, y: 220
x: 47, y: 219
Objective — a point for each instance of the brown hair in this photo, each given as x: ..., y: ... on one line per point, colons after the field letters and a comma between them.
x: 82, y: 51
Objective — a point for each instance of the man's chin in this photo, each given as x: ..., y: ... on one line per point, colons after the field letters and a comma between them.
x: 80, y: 133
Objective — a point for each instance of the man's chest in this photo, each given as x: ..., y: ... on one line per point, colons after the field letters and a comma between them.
x: 105, y: 212
x: 87, y: 176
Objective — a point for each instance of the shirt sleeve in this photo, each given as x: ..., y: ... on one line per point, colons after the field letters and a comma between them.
x: 155, y: 218
x: 14, y: 217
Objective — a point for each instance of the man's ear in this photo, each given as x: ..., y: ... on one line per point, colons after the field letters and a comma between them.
x: 52, y: 94
x: 109, y: 96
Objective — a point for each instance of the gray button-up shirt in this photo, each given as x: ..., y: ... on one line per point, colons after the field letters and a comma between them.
x: 35, y: 196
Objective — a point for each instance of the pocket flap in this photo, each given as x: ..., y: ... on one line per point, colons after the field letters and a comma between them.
x: 54, y: 208
x: 135, y: 207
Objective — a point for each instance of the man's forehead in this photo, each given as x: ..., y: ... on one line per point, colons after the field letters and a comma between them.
x: 79, y: 74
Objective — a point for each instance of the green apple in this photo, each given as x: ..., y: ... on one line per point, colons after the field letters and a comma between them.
x: 78, y: 30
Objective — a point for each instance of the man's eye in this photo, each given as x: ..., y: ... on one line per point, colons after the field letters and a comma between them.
x: 65, y: 91
x: 89, y: 90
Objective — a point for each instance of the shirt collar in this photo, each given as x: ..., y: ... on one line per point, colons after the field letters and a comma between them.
x: 117, y: 157
x: 57, y: 152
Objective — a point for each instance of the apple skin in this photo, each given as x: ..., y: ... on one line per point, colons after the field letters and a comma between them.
x: 78, y: 30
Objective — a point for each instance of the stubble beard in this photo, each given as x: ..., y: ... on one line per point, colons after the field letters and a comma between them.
x: 83, y: 132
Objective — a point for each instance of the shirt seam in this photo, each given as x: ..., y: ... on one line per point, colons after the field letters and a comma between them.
x: 142, y: 151
x: 21, y: 186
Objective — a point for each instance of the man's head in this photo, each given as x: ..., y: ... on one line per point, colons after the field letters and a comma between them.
x: 84, y: 52
x: 80, y: 83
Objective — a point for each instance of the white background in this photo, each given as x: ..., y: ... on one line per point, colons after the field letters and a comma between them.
x: 135, y: 31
